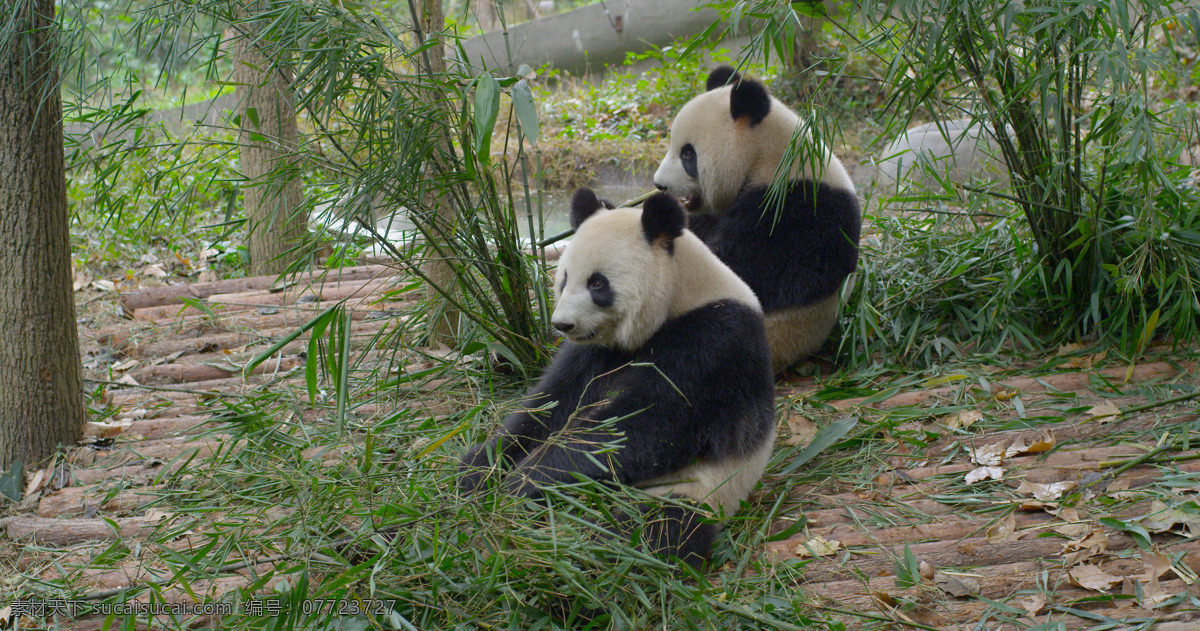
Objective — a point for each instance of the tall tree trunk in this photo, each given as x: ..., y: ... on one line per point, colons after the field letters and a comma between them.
x: 269, y: 142
x: 41, y: 384
x: 443, y: 316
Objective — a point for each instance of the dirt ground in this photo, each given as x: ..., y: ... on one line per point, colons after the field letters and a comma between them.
x: 923, y: 543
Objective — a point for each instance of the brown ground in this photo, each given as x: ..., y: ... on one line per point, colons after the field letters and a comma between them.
x: 972, y: 546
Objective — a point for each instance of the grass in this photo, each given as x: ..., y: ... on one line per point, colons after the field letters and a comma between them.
x: 366, y: 512
x: 346, y: 492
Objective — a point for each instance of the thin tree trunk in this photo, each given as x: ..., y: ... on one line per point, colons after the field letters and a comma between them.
x: 269, y: 141
x: 41, y: 386
x: 443, y: 316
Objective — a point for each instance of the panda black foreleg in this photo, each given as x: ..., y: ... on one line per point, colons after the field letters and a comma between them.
x: 672, y: 531
x: 513, y: 441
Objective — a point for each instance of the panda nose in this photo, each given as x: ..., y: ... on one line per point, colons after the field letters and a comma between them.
x: 660, y: 187
x: 564, y: 327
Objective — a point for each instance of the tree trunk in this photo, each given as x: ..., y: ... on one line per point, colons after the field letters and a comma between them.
x: 486, y: 14
x: 272, y: 197
x: 41, y: 385
x: 443, y: 316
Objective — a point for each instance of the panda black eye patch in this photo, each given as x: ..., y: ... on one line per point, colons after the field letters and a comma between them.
x: 687, y: 156
x: 601, y: 291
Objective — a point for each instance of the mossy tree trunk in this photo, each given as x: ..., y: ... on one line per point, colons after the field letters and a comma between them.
x: 272, y: 197
x: 41, y: 385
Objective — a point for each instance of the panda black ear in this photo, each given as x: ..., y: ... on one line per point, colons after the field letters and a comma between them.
x: 749, y: 98
x: 584, y: 204
x: 721, y: 76
x: 663, y: 219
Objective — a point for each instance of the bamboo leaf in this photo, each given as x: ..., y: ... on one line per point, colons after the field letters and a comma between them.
x: 285, y: 340
x: 824, y: 438
x: 487, y: 107
x: 526, y: 111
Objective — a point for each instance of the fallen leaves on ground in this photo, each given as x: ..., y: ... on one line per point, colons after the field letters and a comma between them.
x: 1104, y: 412
x: 1164, y: 518
x: 956, y: 585
x: 817, y: 547
x: 961, y: 419
x: 1074, y: 552
x: 1045, y: 492
x: 984, y: 473
x: 1091, y: 577
x: 803, y: 430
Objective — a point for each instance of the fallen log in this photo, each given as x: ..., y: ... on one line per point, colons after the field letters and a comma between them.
x: 1069, y: 381
x: 967, y: 553
x: 67, y: 532
x: 76, y: 501
x: 174, y: 294
x: 193, y: 372
x: 309, y: 296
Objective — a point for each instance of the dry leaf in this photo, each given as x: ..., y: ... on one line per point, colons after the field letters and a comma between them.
x: 1092, y: 577
x: 1068, y: 349
x: 36, y: 483
x: 802, y: 428
x: 957, y: 586
x: 885, y: 599
x: 817, y: 547
x: 1017, y: 448
x: 1076, y: 529
x: 1075, y: 552
x: 926, y: 570
x: 961, y: 419
x: 984, y: 473
x: 1104, y: 412
x: 104, y: 285
x: 1153, y: 594
x: 154, y: 270
x: 1003, y: 530
x: 1045, y: 492
x: 1066, y: 513
x: 125, y: 365
x: 81, y: 280
x: 1034, y: 603
x: 206, y: 276
x: 989, y: 456
x: 128, y: 380
x: 1163, y: 518
x: 1156, y: 564
x: 155, y: 514
x: 1045, y: 443
x: 104, y: 430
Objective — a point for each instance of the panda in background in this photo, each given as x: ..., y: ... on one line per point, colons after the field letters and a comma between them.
x: 666, y: 340
x: 726, y: 146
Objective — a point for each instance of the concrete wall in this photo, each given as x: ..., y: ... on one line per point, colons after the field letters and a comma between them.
x: 585, y: 40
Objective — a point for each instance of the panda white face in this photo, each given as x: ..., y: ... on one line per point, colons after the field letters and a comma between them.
x: 706, y: 164
x: 612, y: 286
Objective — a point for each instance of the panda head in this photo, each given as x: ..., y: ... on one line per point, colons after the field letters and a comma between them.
x: 615, y: 284
x: 733, y: 134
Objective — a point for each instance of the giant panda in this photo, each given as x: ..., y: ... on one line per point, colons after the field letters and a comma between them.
x: 666, y: 340
x: 725, y: 148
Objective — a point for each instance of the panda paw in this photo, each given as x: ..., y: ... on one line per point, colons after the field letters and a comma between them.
x: 521, y: 483
x: 472, y: 480
x: 474, y: 469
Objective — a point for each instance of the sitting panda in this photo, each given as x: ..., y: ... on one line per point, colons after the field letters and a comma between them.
x: 726, y: 146
x: 665, y: 347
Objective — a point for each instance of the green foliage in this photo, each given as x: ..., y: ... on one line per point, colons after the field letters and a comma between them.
x: 1069, y: 92
x: 381, y: 133
x: 1064, y: 90
x: 629, y: 104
